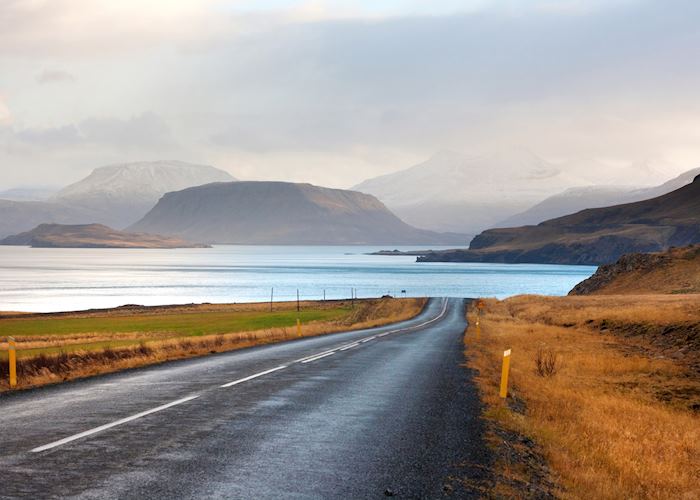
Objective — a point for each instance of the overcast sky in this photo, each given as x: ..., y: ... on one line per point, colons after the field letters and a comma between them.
x: 333, y: 92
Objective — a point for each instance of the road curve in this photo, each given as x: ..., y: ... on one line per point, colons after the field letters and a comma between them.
x: 361, y: 414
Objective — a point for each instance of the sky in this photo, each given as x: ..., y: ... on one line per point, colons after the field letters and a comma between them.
x: 334, y: 92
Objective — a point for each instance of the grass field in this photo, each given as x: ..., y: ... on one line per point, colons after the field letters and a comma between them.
x: 61, y: 346
x: 617, y: 417
x: 47, y: 335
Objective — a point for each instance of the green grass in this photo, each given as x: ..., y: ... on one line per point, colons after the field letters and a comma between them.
x: 186, y: 324
x: 152, y: 327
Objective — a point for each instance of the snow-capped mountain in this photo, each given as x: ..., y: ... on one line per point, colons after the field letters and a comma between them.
x: 456, y: 192
x: 128, y: 191
x: 116, y: 195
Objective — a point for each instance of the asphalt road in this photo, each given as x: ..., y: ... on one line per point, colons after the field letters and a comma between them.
x: 350, y: 415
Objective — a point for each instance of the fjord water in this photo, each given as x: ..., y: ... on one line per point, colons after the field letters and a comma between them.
x: 48, y: 280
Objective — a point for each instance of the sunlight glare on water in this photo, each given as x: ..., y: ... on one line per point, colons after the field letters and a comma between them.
x: 47, y: 280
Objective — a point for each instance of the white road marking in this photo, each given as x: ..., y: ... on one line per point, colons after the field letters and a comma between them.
x: 319, y: 357
x: 109, y: 426
x: 251, y: 377
x: 307, y: 359
x: 301, y: 360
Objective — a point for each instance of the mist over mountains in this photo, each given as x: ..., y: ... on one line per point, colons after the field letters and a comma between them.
x: 456, y: 192
x: 115, y: 195
x: 576, y: 199
x: 128, y: 191
x: 593, y: 236
x: 449, y: 193
x: 281, y: 213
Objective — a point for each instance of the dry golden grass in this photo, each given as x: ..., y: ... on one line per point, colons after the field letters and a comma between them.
x: 46, y: 369
x: 676, y: 270
x: 601, y: 420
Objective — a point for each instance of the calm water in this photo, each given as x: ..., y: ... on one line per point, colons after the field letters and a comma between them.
x: 69, y: 279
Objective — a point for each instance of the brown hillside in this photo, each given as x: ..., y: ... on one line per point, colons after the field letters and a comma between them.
x: 594, y: 236
x: 675, y: 271
x: 91, y: 236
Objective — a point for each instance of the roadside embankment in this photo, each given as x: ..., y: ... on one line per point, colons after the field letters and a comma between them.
x: 57, y: 347
x: 603, y: 397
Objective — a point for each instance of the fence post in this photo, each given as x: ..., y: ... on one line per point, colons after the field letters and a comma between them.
x: 504, y: 373
x: 12, y: 360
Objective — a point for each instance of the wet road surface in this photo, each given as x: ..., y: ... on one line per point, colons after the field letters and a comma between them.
x: 351, y: 415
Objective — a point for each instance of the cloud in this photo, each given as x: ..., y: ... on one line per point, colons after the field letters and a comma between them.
x: 54, y: 76
x: 320, y: 90
x: 62, y: 136
x: 5, y: 115
x: 144, y: 131
x: 147, y: 130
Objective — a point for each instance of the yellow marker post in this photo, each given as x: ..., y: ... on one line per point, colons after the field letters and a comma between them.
x: 12, y: 359
x: 298, y: 327
x: 478, y: 329
x: 504, y: 373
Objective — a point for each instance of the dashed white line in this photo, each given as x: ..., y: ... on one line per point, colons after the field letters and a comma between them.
x: 307, y: 359
x: 101, y: 428
x: 301, y: 360
x: 251, y: 377
x: 319, y: 357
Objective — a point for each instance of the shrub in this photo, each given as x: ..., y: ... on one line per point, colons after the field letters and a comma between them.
x: 546, y: 363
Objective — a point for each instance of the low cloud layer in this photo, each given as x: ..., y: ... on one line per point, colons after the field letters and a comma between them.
x: 321, y: 93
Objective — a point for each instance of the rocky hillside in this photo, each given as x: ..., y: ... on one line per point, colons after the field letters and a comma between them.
x: 595, y: 236
x: 281, y: 213
x: 676, y: 270
x: 91, y: 236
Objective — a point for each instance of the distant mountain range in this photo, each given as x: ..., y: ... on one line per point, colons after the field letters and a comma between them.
x: 281, y: 213
x: 576, y: 199
x: 593, y: 236
x: 116, y: 195
x: 91, y: 236
x: 126, y: 192
x: 456, y: 192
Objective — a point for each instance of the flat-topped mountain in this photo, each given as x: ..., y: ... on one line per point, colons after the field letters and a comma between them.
x: 91, y: 236
x: 594, y: 236
x: 281, y: 213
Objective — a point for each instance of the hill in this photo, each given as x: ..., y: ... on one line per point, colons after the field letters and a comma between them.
x: 676, y: 270
x: 455, y: 192
x: 91, y: 236
x: 579, y: 198
x: 18, y: 216
x: 281, y: 213
x: 116, y: 195
x: 593, y: 236
x: 125, y: 193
